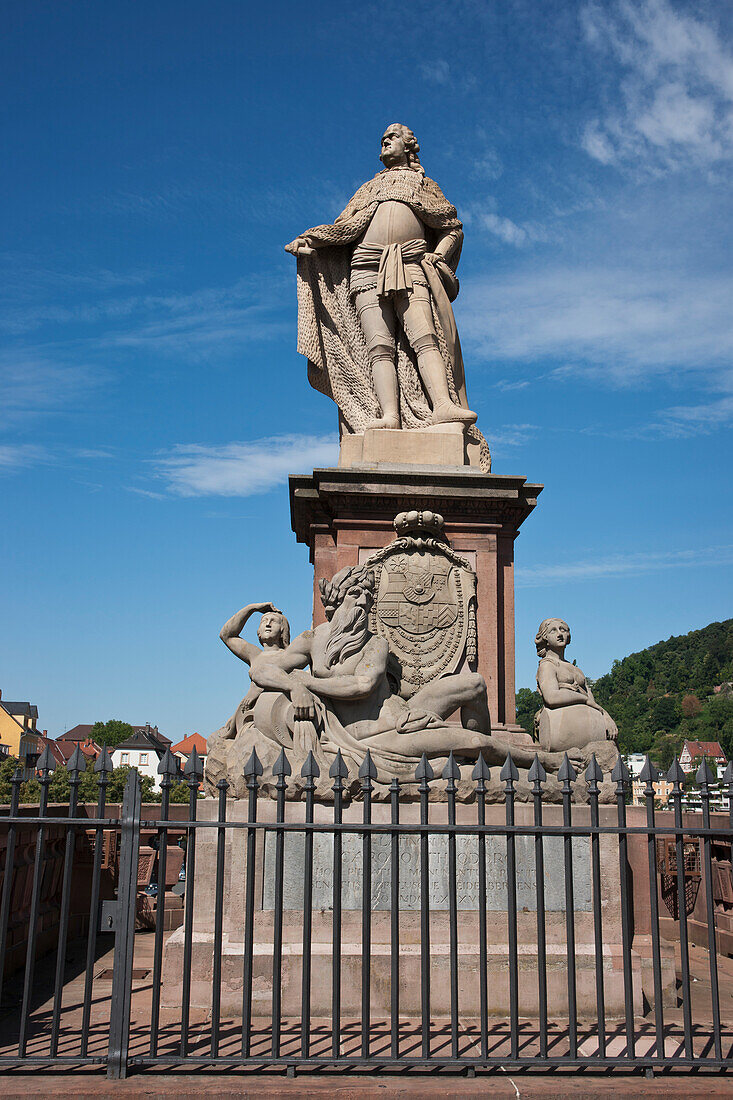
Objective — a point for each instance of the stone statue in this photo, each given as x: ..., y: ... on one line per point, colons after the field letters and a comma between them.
x: 330, y: 690
x: 274, y: 634
x: 374, y: 302
x: 570, y: 718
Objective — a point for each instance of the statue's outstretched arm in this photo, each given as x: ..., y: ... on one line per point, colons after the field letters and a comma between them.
x: 233, y: 627
x: 355, y: 685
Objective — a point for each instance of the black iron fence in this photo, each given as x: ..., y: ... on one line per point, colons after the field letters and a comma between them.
x: 566, y: 872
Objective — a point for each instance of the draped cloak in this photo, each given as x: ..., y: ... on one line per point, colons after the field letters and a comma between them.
x: 329, y: 333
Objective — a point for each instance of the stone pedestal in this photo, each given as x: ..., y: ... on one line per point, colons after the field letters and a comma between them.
x: 343, y: 515
x: 409, y: 950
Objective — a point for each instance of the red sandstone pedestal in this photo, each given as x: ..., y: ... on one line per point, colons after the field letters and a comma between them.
x: 344, y: 515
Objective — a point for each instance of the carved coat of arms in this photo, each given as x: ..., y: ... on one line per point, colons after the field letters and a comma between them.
x: 425, y: 607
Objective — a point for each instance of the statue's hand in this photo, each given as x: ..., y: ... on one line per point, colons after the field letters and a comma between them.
x: 267, y: 606
x: 434, y: 258
x: 302, y: 247
x: 304, y: 703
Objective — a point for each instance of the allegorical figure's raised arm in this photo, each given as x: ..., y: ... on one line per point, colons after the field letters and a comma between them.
x: 233, y: 627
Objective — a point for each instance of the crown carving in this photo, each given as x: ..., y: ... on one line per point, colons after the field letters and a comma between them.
x: 419, y: 523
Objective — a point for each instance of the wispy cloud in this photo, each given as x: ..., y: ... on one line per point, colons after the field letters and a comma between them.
x: 632, y: 325
x: 624, y: 565
x: 16, y: 456
x: 242, y: 469
x: 676, y: 96
x: 32, y: 383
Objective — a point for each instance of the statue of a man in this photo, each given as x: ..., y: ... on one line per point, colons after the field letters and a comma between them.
x: 374, y: 300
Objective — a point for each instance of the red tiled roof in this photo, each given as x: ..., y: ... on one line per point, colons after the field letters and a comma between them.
x: 187, y: 745
x: 704, y: 748
x: 89, y: 749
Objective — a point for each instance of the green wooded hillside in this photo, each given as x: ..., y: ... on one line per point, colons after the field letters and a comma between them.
x: 664, y: 694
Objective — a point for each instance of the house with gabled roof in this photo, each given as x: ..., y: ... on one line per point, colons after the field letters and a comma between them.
x: 184, y: 748
x: 143, y: 750
x: 694, y: 752
x: 16, y: 720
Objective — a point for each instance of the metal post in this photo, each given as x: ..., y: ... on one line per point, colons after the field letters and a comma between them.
x: 124, y: 929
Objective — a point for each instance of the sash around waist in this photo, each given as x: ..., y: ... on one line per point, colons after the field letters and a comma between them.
x: 389, y: 263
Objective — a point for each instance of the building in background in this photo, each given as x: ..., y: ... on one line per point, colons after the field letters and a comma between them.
x: 694, y: 752
x: 143, y: 750
x: 16, y: 719
x: 185, y: 747
x: 662, y: 788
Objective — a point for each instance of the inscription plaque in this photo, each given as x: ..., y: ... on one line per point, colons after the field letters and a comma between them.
x: 409, y: 866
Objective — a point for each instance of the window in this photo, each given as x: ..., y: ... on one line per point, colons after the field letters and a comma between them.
x: 125, y: 757
x: 143, y: 758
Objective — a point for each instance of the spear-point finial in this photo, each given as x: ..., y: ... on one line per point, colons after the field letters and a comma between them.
x: 46, y: 763
x: 77, y: 762
x: 168, y: 764
x: 253, y: 767
x: 509, y: 771
x: 593, y: 773
x: 537, y: 773
x: 103, y: 763
x: 451, y: 769
x: 567, y: 773
x: 481, y: 769
x: 310, y: 769
x: 620, y: 775
x: 704, y: 775
x: 646, y: 775
x: 194, y: 766
x: 676, y: 774
x: 368, y: 769
x: 338, y: 769
x: 281, y: 767
x: 423, y: 771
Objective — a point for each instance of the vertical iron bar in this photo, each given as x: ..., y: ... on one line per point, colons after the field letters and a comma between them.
x: 647, y: 777
x: 252, y: 769
x: 481, y: 773
x: 620, y: 775
x: 538, y: 775
x: 366, y: 772
x: 30, y: 957
x: 310, y: 771
x: 281, y: 769
x: 338, y: 771
x: 103, y: 780
x: 222, y: 786
x: 704, y: 776
x: 165, y: 785
x: 58, y: 992
x: 193, y: 792
x: 451, y: 772
x: 119, y: 1027
x: 424, y: 773
x: 676, y: 776
x: 9, y: 873
x: 567, y: 776
x: 594, y: 776
x: 509, y: 774
x: 394, y: 938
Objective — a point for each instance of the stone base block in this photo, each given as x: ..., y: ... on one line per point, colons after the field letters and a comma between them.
x: 409, y: 977
x: 439, y: 445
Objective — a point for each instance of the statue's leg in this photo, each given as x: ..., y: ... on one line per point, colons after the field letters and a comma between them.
x: 378, y: 325
x: 416, y: 317
x: 464, y: 691
x: 438, y: 742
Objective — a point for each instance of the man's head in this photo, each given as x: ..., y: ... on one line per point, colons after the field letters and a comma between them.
x: 347, y: 600
x: 399, y: 147
x: 274, y: 630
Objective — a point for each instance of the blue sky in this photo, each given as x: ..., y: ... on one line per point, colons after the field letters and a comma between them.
x: 157, y: 158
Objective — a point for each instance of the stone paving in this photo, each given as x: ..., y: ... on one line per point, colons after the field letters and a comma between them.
x: 89, y: 1081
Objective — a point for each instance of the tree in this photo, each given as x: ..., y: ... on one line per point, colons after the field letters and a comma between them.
x: 7, y: 770
x: 528, y: 703
x: 112, y: 732
x: 691, y: 706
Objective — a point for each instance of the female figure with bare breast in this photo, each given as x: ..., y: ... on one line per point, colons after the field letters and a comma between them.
x: 570, y: 718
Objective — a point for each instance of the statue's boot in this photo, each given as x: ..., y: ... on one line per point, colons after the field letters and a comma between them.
x: 384, y: 375
x: 432, y: 372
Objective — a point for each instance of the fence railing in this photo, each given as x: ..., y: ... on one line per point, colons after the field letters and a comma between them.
x: 384, y: 937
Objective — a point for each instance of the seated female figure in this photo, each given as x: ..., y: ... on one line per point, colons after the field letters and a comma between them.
x: 570, y: 718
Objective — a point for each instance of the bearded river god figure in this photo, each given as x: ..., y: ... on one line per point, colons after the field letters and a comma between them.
x: 374, y: 303
x: 387, y: 672
x: 570, y: 718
